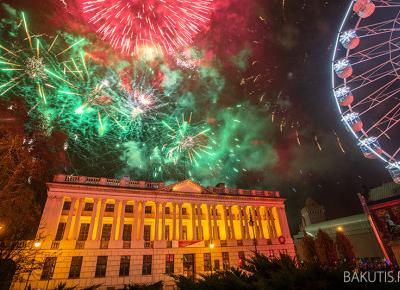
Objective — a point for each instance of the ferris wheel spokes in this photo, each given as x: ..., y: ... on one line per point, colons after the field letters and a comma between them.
x: 367, y: 82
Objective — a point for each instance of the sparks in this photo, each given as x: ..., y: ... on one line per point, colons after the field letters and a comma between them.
x: 128, y: 25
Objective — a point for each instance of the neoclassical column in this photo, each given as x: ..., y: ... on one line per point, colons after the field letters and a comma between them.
x: 93, y: 218
x: 227, y: 230
x: 271, y: 223
x: 241, y: 222
x: 122, y: 221
x: 174, y: 221
x: 163, y: 221
x: 246, y: 223
x: 136, y: 220
x: 157, y: 222
x: 100, y: 220
x: 115, y: 219
x: 215, y: 224
x: 254, y: 227
x: 51, y: 215
x: 210, y: 236
x: 200, y: 233
x: 180, y: 222
x: 194, y: 232
x: 69, y: 220
x: 78, y: 218
x: 142, y: 220
x: 260, y: 222
x: 231, y: 223
x: 283, y: 221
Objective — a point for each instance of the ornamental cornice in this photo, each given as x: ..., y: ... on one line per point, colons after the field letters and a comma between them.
x: 79, y: 190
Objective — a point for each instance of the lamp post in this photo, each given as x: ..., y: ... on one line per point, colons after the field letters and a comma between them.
x: 251, y: 223
x: 211, y: 247
x: 37, y: 245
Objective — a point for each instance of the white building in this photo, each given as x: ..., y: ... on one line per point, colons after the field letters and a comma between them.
x: 114, y: 232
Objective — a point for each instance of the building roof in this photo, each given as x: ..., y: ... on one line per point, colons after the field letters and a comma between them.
x: 385, y: 191
x: 182, y: 186
x: 350, y: 224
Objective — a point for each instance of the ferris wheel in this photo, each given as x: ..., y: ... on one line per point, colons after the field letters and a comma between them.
x: 366, y: 78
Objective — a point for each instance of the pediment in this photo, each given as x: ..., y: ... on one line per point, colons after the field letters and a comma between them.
x: 186, y: 186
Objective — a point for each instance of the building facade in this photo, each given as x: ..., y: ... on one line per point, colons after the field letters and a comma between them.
x: 356, y: 228
x: 115, y: 232
x: 312, y: 213
x: 382, y: 206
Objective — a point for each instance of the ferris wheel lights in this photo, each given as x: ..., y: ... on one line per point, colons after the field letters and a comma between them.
x: 367, y: 70
x: 349, y: 39
x: 394, y: 170
x: 364, y: 8
x: 369, y: 146
x: 344, y: 96
x: 354, y: 121
x: 343, y: 68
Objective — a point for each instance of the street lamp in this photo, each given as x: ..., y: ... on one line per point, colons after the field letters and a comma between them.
x: 37, y: 245
x: 212, y: 245
x: 251, y: 223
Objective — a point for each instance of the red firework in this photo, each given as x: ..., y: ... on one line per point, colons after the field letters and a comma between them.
x: 129, y: 24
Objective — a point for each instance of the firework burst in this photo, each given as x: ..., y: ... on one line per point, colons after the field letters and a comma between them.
x: 129, y: 25
x: 30, y: 65
x: 186, y: 140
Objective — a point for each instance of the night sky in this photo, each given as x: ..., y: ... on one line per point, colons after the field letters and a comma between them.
x: 288, y: 76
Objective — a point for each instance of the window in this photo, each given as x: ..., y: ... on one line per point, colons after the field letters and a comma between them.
x: 67, y: 205
x: 101, y: 266
x: 184, y: 233
x: 271, y: 253
x: 146, y: 232
x: 188, y: 265
x: 216, y: 265
x: 225, y: 260
x: 129, y: 208
x: 169, y: 264
x: 147, y: 264
x: 75, y: 269
x: 241, y: 255
x: 84, y: 232
x: 109, y: 207
x: 124, y: 266
x: 48, y: 268
x: 167, y: 234
x: 127, y: 233
x: 207, y: 262
x: 147, y: 209
x: 88, y: 206
x: 241, y: 258
x: 106, y: 232
x: 167, y: 210
x: 60, y: 231
x: 184, y: 210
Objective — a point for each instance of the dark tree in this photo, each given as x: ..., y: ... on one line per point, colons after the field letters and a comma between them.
x: 325, y: 248
x: 27, y: 162
x: 308, y: 246
x: 345, y: 248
